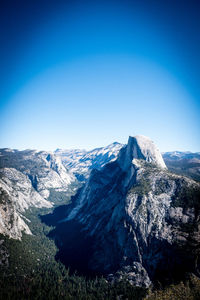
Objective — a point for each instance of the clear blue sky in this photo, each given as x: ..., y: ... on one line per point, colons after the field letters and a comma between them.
x: 83, y: 74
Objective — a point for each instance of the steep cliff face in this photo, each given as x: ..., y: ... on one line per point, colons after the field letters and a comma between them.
x: 26, y: 180
x: 144, y: 220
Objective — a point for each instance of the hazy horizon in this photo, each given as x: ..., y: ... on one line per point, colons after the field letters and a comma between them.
x: 89, y: 149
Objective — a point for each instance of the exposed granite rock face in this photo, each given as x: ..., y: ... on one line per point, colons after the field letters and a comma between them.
x: 140, y: 147
x: 135, y: 274
x: 135, y: 210
x: 26, y: 179
x: 81, y: 162
x: 11, y: 222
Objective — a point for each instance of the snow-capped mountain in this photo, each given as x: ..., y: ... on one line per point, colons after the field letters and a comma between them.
x: 81, y: 162
x: 144, y: 221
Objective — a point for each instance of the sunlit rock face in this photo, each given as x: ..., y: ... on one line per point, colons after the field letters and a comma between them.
x: 140, y: 217
x: 140, y: 147
x: 26, y: 180
x: 81, y: 162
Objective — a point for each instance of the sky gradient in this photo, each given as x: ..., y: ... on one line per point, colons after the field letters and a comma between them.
x: 83, y: 74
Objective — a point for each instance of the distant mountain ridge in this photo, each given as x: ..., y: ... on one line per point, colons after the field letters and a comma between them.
x: 177, y: 155
x: 187, y: 163
x: 27, y: 177
x: 81, y: 162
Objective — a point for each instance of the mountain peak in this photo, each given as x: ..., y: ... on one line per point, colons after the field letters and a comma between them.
x: 141, y: 147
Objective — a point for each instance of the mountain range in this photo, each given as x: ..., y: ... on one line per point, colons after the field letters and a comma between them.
x: 121, y: 211
x: 139, y: 216
x: 80, y: 162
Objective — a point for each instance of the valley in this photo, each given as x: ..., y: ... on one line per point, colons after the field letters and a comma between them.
x: 70, y: 217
